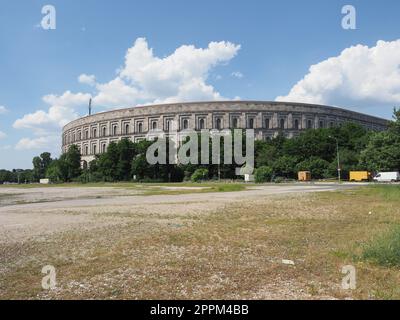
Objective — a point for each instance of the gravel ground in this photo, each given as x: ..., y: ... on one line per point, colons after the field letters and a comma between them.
x: 79, y: 225
x: 47, y: 210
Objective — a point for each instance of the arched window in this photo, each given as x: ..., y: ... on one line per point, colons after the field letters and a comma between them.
x: 86, y: 150
x: 266, y: 123
x: 114, y: 130
x: 140, y: 127
x: 86, y: 134
x: 321, y: 124
x: 201, y: 124
x: 185, y: 124
x: 309, y: 124
x: 218, y: 123
x: 127, y: 129
x: 104, y: 131
x: 103, y: 148
x: 235, y: 123
x: 282, y: 124
x: 94, y: 133
x: 80, y: 135
x: 296, y: 124
x: 251, y: 123
x: 167, y: 125
x: 154, y: 125
x: 94, y: 149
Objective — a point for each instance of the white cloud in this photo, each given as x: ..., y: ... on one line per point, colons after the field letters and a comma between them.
x: 180, y: 76
x: 38, y: 143
x: 3, y: 110
x: 237, y: 74
x: 144, y: 78
x: 61, y: 111
x: 115, y: 93
x: 359, y: 75
x: 87, y: 79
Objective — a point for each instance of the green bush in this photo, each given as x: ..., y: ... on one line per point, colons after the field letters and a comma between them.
x: 199, y: 174
x: 263, y: 174
x: 385, y: 249
x: 316, y: 166
x: 279, y: 179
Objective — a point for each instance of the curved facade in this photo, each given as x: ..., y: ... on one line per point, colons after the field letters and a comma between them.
x: 92, y: 134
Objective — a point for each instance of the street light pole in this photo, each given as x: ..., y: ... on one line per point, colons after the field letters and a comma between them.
x: 338, y: 158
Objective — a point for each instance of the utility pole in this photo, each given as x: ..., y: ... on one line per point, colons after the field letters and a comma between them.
x: 338, y: 158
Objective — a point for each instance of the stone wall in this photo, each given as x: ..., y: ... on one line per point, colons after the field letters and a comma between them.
x: 92, y: 134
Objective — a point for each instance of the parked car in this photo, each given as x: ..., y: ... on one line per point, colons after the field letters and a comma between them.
x: 387, y: 176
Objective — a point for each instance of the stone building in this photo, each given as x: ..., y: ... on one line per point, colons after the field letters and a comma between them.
x: 93, y: 133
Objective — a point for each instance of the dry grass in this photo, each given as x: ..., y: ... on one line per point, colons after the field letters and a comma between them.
x: 235, y: 253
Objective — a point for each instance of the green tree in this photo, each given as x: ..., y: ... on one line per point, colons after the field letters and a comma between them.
x: 383, y: 149
x: 46, y: 161
x: 108, y: 162
x: 73, y: 162
x: 126, y: 152
x: 285, y: 166
x: 37, y: 168
x: 40, y: 165
x: 54, y: 172
x: 263, y: 174
x: 316, y: 166
x: 199, y: 175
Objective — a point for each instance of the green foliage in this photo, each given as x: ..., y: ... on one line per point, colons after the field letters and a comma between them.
x: 40, y: 165
x: 285, y: 166
x: 54, y: 172
x: 126, y: 152
x: 382, y: 152
x: 385, y: 249
x: 311, y: 144
x: 263, y: 174
x: 16, y: 176
x: 67, y: 167
x: 199, y: 175
x: 316, y: 166
x: 73, y: 162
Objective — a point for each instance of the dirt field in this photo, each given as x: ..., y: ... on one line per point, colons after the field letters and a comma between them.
x: 126, y: 243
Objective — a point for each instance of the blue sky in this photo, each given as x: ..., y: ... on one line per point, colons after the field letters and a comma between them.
x: 265, y: 48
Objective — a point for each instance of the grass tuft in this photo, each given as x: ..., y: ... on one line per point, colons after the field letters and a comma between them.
x: 384, y: 250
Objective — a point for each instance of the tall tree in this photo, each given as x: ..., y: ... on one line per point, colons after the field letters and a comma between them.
x: 126, y: 152
x: 383, y: 150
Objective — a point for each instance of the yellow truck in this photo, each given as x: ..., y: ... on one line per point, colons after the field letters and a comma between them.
x: 359, y: 176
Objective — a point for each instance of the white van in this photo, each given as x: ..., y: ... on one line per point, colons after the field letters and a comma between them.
x: 387, y: 177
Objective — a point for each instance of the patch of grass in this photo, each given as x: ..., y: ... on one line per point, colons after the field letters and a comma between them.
x: 386, y: 192
x: 150, y: 188
x: 197, y: 188
x: 384, y: 250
